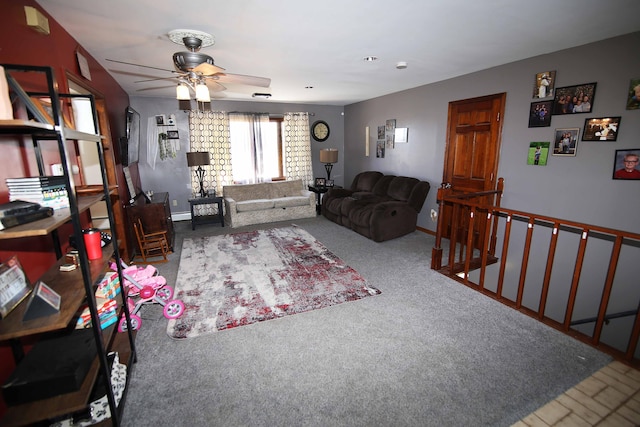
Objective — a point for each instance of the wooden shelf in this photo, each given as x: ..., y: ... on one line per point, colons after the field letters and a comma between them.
x: 69, y: 285
x: 45, y: 226
x: 44, y: 130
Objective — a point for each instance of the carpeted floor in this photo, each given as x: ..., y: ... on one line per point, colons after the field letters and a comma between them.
x: 426, y: 352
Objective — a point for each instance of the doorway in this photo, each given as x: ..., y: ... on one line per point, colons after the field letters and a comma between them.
x: 472, y: 152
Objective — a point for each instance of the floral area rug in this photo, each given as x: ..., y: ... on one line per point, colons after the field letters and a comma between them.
x: 243, y: 278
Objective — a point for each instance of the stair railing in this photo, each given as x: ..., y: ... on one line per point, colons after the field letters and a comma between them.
x: 600, y: 308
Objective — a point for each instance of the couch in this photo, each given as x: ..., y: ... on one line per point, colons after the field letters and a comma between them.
x: 247, y: 204
x: 380, y: 207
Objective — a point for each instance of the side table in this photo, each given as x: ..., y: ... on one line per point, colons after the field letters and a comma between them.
x: 319, y: 192
x: 206, y: 219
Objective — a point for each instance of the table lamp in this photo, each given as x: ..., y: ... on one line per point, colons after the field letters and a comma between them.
x: 199, y: 159
x: 328, y: 156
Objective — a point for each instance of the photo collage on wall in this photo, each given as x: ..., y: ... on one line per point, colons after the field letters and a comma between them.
x: 550, y: 101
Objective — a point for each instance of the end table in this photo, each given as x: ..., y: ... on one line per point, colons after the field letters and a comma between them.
x: 319, y: 192
x: 206, y: 219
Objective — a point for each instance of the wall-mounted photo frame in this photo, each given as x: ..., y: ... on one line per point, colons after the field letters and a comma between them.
x: 538, y: 153
x: 540, y: 114
x: 633, y: 97
x: 320, y: 182
x: 380, y: 149
x: 565, y: 142
x: 626, y: 164
x: 160, y: 120
x: 574, y: 99
x: 172, y: 134
x: 544, y: 84
x: 601, y: 129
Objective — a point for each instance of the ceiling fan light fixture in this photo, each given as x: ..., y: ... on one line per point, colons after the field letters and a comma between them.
x: 202, y: 93
x: 182, y: 92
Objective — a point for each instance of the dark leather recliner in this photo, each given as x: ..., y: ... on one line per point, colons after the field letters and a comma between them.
x: 380, y: 207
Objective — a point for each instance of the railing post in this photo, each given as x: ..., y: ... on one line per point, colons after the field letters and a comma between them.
x: 436, y: 252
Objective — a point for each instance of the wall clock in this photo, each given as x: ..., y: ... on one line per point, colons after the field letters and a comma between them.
x: 320, y: 130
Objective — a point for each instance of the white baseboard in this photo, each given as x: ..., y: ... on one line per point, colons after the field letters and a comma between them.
x: 181, y: 216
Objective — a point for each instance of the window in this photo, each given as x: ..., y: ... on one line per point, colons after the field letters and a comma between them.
x: 256, y: 147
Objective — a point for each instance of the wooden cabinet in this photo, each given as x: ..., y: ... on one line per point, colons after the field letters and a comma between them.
x: 74, y: 287
x: 154, y: 213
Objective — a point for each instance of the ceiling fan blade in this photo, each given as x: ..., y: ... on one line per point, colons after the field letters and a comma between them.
x: 215, y: 86
x: 144, y: 66
x: 154, y: 88
x: 207, y: 69
x: 244, y: 80
x: 156, y: 79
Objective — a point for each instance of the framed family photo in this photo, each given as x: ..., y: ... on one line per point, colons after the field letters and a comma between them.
x: 320, y: 182
x: 633, y: 97
x: 601, y: 129
x: 574, y: 99
x: 540, y: 114
x: 626, y: 164
x: 565, y: 142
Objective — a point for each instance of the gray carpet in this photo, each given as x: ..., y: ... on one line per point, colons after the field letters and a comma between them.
x: 426, y: 352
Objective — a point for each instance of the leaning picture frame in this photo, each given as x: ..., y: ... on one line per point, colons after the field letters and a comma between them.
x: 320, y: 182
x: 601, y: 129
x: 172, y: 134
x: 565, y: 142
x: 574, y: 99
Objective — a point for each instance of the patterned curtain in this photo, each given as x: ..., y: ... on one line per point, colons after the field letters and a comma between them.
x: 209, y: 131
x: 297, y: 148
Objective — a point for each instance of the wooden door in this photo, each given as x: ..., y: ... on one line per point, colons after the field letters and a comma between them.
x: 473, y: 148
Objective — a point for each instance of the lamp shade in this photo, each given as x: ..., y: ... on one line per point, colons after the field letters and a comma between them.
x: 182, y: 92
x: 198, y: 158
x: 202, y: 93
x: 329, y: 155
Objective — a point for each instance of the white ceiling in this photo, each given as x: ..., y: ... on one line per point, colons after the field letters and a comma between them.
x: 298, y: 43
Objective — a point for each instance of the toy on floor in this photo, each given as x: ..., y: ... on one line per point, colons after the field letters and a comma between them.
x: 145, y: 286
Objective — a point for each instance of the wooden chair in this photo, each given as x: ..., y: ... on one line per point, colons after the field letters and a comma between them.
x: 151, y: 245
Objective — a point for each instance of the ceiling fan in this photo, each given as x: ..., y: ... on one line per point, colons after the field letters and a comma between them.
x: 196, y: 70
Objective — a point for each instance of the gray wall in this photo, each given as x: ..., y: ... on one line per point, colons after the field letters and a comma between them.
x: 578, y: 188
x: 172, y: 175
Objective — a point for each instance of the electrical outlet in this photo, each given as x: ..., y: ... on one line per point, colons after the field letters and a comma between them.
x: 434, y: 215
x: 175, y: 203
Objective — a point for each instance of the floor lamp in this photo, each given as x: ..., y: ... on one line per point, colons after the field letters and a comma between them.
x: 328, y: 156
x: 199, y: 159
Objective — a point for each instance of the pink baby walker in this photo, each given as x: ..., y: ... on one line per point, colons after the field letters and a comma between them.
x: 145, y: 286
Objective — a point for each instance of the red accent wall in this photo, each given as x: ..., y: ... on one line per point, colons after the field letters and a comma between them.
x: 20, y: 44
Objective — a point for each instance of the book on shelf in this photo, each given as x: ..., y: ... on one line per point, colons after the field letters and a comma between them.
x: 24, y: 218
x: 36, y: 180
x: 55, y: 203
x: 17, y: 207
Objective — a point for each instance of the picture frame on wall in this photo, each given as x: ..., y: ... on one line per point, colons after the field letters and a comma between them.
x: 544, y: 84
x: 633, y: 97
x: 601, y: 129
x: 538, y: 153
x: 574, y: 99
x: 565, y: 142
x: 540, y: 114
x: 626, y: 164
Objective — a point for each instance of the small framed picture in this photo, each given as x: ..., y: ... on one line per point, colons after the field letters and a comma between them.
x: 601, y: 129
x: 565, y: 142
x: 160, y: 120
x: 540, y: 114
x: 329, y: 183
x: 172, y: 134
x: 626, y: 164
x: 574, y: 99
x: 320, y: 182
x: 633, y: 97
x: 538, y: 153
x: 544, y: 84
